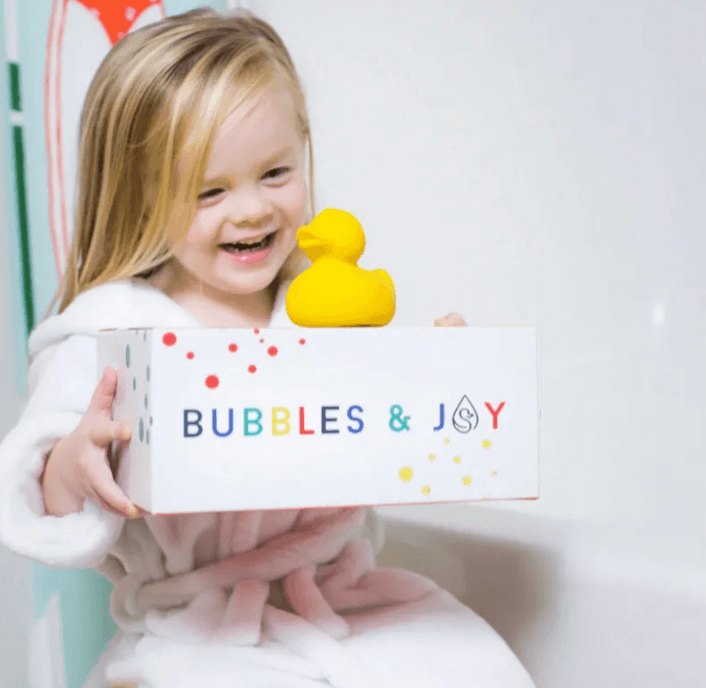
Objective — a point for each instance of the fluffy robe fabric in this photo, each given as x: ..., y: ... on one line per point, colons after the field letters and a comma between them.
x: 287, y: 598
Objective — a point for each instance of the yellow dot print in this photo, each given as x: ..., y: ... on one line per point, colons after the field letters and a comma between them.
x: 406, y: 474
x: 432, y: 457
x: 426, y: 489
x: 494, y: 473
x: 446, y: 441
x: 467, y: 480
x: 457, y: 459
x: 486, y: 444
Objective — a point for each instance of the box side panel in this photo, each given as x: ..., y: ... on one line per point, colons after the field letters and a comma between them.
x: 155, y: 406
x: 128, y: 352
x: 139, y: 384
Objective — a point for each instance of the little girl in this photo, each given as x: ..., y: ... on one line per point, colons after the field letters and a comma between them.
x: 194, y: 151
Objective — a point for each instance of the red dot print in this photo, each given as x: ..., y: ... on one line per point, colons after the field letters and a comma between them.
x: 261, y: 341
x: 272, y: 351
x: 252, y: 368
x: 212, y: 382
x: 257, y: 331
x: 190, y: 355
x: 232, y: 347
x: 169, y: 339
x: 302, y: 341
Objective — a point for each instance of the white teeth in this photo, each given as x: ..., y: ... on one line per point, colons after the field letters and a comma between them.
x: 245, y: 244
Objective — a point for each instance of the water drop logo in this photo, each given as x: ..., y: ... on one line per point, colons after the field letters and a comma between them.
x: 465, y: 417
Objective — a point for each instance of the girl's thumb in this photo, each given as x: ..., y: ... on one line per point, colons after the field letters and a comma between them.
x: 104, y: 393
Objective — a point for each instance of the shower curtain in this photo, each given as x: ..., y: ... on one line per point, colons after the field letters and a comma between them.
x: 52, y: 49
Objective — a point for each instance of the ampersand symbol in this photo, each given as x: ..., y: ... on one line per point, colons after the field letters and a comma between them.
x: 397, y: 422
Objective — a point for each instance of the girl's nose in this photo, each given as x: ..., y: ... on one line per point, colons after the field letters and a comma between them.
x: 249, y: 208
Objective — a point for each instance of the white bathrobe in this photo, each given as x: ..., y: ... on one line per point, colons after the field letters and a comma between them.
x: 288, y: 598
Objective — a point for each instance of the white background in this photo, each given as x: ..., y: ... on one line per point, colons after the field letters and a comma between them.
x: 528, y: 163
x: 541, y: 163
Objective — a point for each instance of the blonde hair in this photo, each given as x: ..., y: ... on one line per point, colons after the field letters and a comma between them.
x: 159, y: 97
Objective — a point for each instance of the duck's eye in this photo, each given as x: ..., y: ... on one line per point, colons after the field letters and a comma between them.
x: 204, y: 196
x: 276, y: 172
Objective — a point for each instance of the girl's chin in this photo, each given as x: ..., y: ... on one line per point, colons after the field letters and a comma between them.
x: 257, y: 280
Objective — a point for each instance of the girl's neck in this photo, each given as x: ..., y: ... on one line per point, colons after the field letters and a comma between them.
x: 216, y: 309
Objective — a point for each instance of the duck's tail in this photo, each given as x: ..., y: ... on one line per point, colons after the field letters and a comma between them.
x: 384, y: 278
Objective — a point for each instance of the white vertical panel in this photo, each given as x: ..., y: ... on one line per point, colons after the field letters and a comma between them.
x: 11, y: 47
x: 15, y: 573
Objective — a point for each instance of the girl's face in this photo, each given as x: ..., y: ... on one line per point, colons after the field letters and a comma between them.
x: 251, y: 202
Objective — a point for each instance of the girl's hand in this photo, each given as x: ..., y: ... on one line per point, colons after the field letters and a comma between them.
x: 450, y: 320
x: 78, y: 469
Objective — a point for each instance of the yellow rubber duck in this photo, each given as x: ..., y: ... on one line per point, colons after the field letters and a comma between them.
x: 334, y: 291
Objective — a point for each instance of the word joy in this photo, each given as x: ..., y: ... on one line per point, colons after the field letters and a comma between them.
x: 465, y: 417
x: 330, y: 421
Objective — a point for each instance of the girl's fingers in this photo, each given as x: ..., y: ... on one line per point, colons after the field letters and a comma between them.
x: 103, y: 431
x: 107, y: 507
x: 450, y: 320
x: 112, y: 498
x: 105, y: 489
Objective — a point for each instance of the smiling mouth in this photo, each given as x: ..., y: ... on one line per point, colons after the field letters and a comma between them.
x: 243, y: 247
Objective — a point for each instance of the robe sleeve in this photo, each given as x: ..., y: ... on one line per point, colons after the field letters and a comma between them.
x: 61, y: 382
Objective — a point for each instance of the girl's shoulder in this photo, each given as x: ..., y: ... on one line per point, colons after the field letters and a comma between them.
x: 123, y: 304
x: 128, y: 303
x: 110, y: 297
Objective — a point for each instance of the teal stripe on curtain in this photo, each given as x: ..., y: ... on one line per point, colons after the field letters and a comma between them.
x: 23, y: 228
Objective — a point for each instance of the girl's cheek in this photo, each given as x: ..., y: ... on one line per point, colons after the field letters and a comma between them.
x: 201, y: 224
x: 297, y: 199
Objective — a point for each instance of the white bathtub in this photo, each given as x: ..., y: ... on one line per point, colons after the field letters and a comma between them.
x: 576, y: 616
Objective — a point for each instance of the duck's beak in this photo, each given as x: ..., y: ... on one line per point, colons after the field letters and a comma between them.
x: 309, y: 240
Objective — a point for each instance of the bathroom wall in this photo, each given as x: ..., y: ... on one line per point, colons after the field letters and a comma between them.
x: 543, y: 163
x: 540, y: 163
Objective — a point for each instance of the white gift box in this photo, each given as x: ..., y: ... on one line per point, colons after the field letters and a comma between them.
x: 237, y: 419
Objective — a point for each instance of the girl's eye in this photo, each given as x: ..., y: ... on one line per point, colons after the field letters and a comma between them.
x: 275, y: 172
x: 209, y: 194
